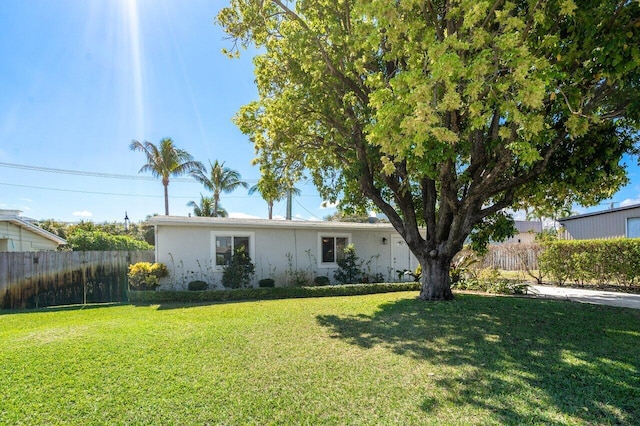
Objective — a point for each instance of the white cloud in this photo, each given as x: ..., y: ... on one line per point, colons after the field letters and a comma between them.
x: 242, y: 216
x: 630, y: 202
x: 28, y: 200
x: 83, y: 213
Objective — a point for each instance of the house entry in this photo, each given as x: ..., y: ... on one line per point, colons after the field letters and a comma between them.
x: 401, y: 257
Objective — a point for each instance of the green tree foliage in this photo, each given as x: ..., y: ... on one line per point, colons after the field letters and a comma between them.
x: 220, y: 179
x: 272, y: 191
x: 443, y: 113
x: 166, y: 161
x: 206, y: 208
x: 94, y: 240
x: 138, y: 231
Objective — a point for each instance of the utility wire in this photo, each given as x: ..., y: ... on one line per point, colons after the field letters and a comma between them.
x: 87, y: 192
x: 94, y: 174
x: 118, y: 194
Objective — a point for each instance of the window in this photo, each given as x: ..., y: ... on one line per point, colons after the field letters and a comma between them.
x: 332, y: 248
x: 226, y: 244
x: 633, y: 227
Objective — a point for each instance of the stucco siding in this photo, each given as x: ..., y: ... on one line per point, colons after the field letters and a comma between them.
x: 189, y: 251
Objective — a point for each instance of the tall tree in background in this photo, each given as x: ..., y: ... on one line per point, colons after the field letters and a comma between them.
x: 205, y: 208
x: 166, y: 161
x: 272, y: 191
x: 220, y: 179
x: 443, y: 113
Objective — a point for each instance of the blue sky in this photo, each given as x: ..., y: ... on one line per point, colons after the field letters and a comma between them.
x: 79, y: 79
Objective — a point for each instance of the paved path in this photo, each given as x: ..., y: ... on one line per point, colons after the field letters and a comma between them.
x: 625, y: 300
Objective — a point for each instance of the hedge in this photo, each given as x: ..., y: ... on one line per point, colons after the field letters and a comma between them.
x: 615, y: 261
x: 268, y: 293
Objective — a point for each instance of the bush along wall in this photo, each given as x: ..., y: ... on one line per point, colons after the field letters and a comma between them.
x: 267, y: 293
x: 614, y: 261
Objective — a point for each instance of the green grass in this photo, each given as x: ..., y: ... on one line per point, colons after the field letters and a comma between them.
x: 374, y: 359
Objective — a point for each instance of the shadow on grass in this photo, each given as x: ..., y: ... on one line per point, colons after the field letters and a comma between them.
x: 61, y: 308
x: 526, y: 361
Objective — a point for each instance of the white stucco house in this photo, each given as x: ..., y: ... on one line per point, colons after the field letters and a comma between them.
x: 19, y: 234
x: 199, y: 248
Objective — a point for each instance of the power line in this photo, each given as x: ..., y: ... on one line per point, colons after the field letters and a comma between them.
x: 86, y: 192
x: 117, y: 194
x: 93, y: 174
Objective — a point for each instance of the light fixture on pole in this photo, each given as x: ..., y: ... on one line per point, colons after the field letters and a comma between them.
x: 126, y: 222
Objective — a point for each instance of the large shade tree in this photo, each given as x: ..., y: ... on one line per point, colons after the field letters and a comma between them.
x: 165, y: 161
x: 444, y: 113
x: 220, y: 179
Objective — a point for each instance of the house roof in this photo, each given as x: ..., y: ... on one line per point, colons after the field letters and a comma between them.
x: 265, y: 223
x: 602, y: 212
x: 15, y: 220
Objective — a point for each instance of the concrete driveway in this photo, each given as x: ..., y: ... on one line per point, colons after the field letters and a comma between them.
x: 624, y: 300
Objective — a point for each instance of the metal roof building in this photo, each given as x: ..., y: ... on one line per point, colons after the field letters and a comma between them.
x: 613, y: 223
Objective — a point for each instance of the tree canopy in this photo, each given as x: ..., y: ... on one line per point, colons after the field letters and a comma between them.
x: 219, y: 179
x: 165, y: 161
x: 443, y: 113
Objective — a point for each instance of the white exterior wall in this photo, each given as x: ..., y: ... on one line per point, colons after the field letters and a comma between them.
x: 188, y: 250
x: 16, y: 238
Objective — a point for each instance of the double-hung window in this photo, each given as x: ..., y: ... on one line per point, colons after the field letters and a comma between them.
x: 225, y: 244
x: 332, y: 248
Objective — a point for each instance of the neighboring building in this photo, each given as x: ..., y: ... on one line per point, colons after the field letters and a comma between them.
x: 18, y: 234
x: 526, y: 232
x: 199, y: 247
x: 613, y: 223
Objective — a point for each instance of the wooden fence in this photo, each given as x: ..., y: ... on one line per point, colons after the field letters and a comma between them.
x: 38, y: 279
x: 508, y: 257
x: 511, y: 257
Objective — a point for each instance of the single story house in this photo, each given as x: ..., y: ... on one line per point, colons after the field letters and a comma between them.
x: 198, y: 248
x: 18, y: 234
x: 612, y: 223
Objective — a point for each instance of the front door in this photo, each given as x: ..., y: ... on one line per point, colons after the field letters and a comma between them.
x: 401, y: 258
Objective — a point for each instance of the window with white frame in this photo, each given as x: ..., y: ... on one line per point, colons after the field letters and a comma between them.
x: 331, y: 248
x: 633, y: 227
x: 225, y: 244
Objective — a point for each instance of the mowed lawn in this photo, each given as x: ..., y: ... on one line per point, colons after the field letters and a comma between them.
x: 376, y: 359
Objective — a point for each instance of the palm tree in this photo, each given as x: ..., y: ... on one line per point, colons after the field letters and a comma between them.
x: 220, y: 179
x: 166, y: 161
x: 205, y: 208
x: 271, y: 197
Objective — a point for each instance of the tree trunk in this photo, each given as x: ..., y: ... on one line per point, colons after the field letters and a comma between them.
x: 436, y: 284
x: 166, y: 198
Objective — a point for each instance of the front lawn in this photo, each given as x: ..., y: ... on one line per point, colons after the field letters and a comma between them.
x: 374, y: 359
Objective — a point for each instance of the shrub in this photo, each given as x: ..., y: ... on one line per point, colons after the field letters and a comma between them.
x: 268, y: 293
x: 321, y: 280
x: 349, y: 267
x: 267, y: 282
x: 146, y: 275
x: 198, y: 285
x: 598, y: 261
x: 82, y: 240
x: 239, y: 271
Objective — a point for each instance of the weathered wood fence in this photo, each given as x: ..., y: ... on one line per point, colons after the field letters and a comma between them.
x: 38, y: 279
x: 508, y: 257
x: 512, y: 257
